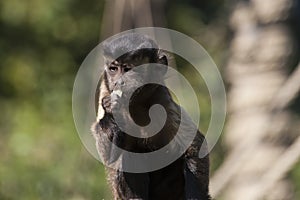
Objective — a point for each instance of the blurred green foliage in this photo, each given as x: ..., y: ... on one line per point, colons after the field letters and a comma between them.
x: 42, y: 44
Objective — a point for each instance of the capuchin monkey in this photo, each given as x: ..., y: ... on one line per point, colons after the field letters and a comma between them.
x: 185, y: 178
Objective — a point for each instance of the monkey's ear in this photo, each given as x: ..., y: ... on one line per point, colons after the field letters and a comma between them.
x: 162, y: 59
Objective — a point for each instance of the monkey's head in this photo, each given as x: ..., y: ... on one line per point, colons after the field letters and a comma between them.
x: 122, y: 56
x: 125, y: 53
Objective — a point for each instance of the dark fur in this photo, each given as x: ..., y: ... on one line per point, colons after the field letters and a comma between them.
x: 188, y: 176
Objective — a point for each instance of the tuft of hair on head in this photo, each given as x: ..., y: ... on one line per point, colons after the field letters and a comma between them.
x: 130, y: 45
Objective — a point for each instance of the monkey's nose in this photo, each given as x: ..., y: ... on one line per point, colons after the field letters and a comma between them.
x: 120, y: 82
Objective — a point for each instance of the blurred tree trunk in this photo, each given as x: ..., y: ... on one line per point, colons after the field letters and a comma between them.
x: 263, y: 124
x: 121, y: 15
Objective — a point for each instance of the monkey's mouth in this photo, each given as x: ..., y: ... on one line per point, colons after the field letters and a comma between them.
x: 118, y: 92
x: 140, y: 94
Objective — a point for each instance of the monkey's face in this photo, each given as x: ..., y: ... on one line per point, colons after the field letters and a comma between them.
x: 128, y: 76
x: 121, y: 74
x: 134, y: 82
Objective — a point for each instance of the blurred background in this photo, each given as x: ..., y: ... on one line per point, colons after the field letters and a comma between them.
x: 254, y: 43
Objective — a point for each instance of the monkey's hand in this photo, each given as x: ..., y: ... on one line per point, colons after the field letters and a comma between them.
x: 110, y: 103
x: 106, y: 104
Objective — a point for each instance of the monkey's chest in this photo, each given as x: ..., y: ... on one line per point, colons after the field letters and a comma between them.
x: 167, y: 183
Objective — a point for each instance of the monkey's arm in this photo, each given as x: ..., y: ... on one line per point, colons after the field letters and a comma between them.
x: 108, y: 138
x: 125, y: 185
x: 196, y: 170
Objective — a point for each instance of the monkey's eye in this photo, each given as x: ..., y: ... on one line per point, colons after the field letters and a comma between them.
x: 126, y: 69
x: 113, y: 69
